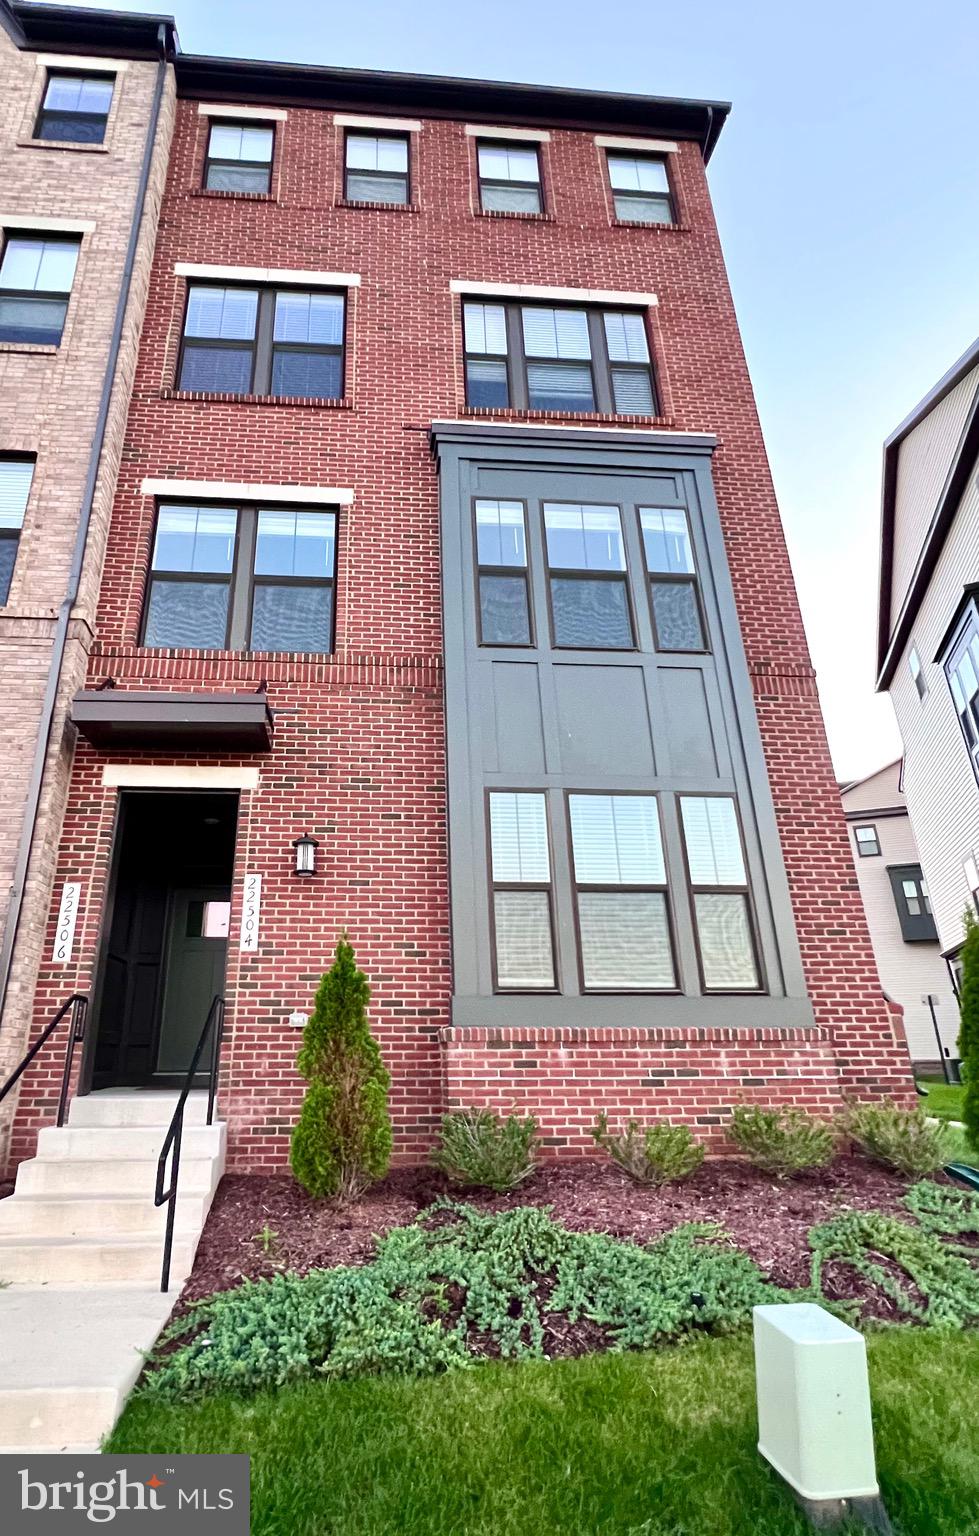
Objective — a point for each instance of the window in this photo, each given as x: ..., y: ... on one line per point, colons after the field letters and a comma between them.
x: 239, y: 158
x: 678, y: 620
x: 542, y: 358
x: 523, y: 940
x: 75, y: 109
x: 376, y: 168
x: 917, y: 675
x: 868, y: 843
x: 620, y: 889
x: 587, y: 577
x: 509, y: 177
x: 36, y: 275
x: 263, y: 341
x: 249, y: 578
x: 15, y: 488
x: 501, y: 561
x: 962, y: 672
x: 719, y: 889
x: 913, y: 906
x: 640, y: 188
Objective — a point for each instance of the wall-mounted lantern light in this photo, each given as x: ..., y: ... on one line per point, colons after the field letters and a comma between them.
x: 305, y: 847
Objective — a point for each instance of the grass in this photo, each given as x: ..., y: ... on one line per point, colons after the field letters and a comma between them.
x: 659, y: 1444
x: 945, y: 1100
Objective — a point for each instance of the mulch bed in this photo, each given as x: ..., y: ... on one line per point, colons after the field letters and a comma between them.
x: 766, y: 1219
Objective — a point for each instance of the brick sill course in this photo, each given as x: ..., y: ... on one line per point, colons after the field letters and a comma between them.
x: 30, y: 348
x: 512, y: 213
x: 573, y: 418
x: 372, y: 207
x: 225, y: 195
x: 663, y: 229
x: 345, y: 404
x: 78, y: 149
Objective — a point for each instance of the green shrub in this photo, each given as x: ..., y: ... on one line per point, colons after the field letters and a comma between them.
x: 453, y: 1288
x: 651, y: 1154
x: 782, y: 1141
x: 927, y: 1280
x: 480, y: 1150
x: 969, y: 1026
x: 903, y: 1139
x: 342, y: 1140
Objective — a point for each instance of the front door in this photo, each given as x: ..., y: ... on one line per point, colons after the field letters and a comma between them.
x: 196, y: 953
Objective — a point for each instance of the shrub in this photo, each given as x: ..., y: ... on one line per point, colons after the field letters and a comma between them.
x: 480, y: 1150
x: 969, y: 1026
x: 926, y: 1280
x: 342, y: 1140
x: 782, y: 1141
x: 903, y: 1139
x: 943, y: 1210
x: 651, y: 1154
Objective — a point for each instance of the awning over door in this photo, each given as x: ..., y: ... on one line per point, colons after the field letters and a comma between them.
x: 210, y: 722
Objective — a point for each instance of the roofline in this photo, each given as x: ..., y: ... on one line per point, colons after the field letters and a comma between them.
x: 80, y: 29
x: 855, y: 783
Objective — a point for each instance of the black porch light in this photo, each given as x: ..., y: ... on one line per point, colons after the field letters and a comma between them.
x: 305, y: 847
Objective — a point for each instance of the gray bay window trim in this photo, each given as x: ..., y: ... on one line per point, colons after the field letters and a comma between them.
x: 958, y: 656
x: 490, y: 461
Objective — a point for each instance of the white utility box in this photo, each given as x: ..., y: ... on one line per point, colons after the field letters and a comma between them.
x: 814, y: 1423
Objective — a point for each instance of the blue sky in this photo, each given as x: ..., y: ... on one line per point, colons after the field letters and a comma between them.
x: 845, y: 190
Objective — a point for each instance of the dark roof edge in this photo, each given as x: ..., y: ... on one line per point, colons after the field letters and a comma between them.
x: 11, y: 25
x: 78, y: 29
x: 447, y: 95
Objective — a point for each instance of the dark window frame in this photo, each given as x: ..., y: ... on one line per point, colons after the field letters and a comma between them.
x: 917, y: 673
x: 667, y: 199
x: 916, y: 927
x: 46, y: 113
x: 570, y: 573
x: 674, y: 578
x: 746, y: 891
x: 487, y: 141
x: 242, y: 579
x: 591, y: 887
x: 509, y: 571
x: 219, y: 160
x: 599, y: 363
x: 13, y: 535
x: 52, y: 295
x: 263, y: 346
x: 866, y: 850
x: 378, y: 133
x: 526, y: 886
x: 966, y: 630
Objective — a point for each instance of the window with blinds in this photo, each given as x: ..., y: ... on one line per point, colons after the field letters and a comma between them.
x: 75, y: 109
x: 719, y: 892
x: 621, y: 893
x: 263, y: 341
x: 674, y: 591
x: 16, y: 475
x: 239, y: 157
x: 587, y: 583
x: 36, y: 274
x: 501, y: 573
x: 640, y: 188
x: 509, y: 177
x: 376, y: 168
x: 520, y: 871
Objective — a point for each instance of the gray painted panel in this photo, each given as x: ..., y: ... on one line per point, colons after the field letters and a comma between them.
x: 517, y: 726
x: 602, y: 720
x: 686, y: 723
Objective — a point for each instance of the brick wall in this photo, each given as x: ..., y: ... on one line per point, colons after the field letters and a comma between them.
x: 358, y: 756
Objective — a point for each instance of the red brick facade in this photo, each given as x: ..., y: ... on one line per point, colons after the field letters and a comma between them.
x: 358, y: 755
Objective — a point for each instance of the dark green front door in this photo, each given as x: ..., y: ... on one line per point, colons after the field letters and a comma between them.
x: 196, y: 954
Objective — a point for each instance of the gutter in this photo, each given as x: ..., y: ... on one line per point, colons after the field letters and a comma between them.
x: 36, y: 783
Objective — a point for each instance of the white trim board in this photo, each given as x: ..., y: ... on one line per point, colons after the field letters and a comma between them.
x: 468, y: 423
x: 83, y: 61
x: 176, y: 776
x: 268, y: 275
x: 237, y: 490
x: 533, y: 291
x: 494, y: 131
x: 228, y: 109
x: 651, y: 146
x: 46, y: 226
x: 389, y: 124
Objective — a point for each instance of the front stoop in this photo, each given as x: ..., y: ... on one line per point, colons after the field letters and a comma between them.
x: 82, y: 1244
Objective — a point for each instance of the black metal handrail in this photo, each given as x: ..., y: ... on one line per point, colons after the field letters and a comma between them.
x: 213, y: 1025
x: 77, y: 1005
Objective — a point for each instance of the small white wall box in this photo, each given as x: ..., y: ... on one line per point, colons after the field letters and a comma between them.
x: 814, y: 1423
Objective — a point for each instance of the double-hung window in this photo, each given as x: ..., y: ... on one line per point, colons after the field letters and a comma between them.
x: 621, y: 893
x: 962, y: 672
x: 509, y: 177
x: 586, y: 572
x: 263, y: 341
x: 75, y: 108
x: 239, y: 157
x: 501, y: 560
x: 719, y: 892
x: 376, y: 167
x: 15, y: 488
x: 867, y: 841
x: 640, y: 188
x: 36, y: 275
x: 678, y: 620
x: 242, y: 578
x: 520, y: 872
x: 546, y: 358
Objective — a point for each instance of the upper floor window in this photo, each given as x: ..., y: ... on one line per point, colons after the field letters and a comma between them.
x: 520, y: 872
x: 501, y: 560
x: 36, y: 275
x: 640, y: 188
x: 509, y: 177
x: 376, y: 168
x: 239, y: 158
x: 868, y: 843
x: 678, y: 620
x: 962, y: 671
x: 621, y: 893
x: 917, y: 673
x: 263, y: 341
x: 544, y: 358
x: 586, y: 565
x: 75, y: 108
x: 15, y: 488
x: 242, y: 578
x: 719, y: 889
x: 913, y: 904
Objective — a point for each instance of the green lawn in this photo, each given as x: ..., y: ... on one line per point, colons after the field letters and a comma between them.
x: 944, y: 1100
x: 660, y: 1444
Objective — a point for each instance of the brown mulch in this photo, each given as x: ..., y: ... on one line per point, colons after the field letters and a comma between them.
x: 767, y: 1219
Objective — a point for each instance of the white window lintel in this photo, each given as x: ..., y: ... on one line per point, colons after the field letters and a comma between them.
x: 82, y: 63
x: 228, y: 109
x: 495, y: 131
x: 177, y: 776
x: 267, y: 275
x: 562, y: 295
x: 236, y: 490
x: 45, y: 226
x: 380, y: 124
x: 642, y: 146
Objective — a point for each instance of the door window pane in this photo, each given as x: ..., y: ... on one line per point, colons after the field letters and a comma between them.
x: 518, y: 839
x: 524, y: 949
x: 625, y: 940
x: 724, y: 930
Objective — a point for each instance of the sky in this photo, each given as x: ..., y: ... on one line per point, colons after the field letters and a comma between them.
x: 845, y: 190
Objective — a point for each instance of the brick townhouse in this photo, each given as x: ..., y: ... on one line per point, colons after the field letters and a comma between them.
x: 445, y: 601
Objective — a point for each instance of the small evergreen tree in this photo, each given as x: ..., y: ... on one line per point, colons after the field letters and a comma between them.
x: 342, y: 1139
x: 969, y: 1025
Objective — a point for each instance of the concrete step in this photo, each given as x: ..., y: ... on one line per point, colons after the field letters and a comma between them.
x: 135, y: 1106
x: 125, y: 1142
x: 70, y: 1260
x: 112, y: 1176
x: 98, y: 1215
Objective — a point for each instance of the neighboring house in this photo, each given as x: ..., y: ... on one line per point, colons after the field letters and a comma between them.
x: 902, y: 928
x: 86, y: 112
x: 928, y: 633
x: 446, y: 602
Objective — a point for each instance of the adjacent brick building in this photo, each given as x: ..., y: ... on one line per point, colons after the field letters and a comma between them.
x: 444, y: 535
